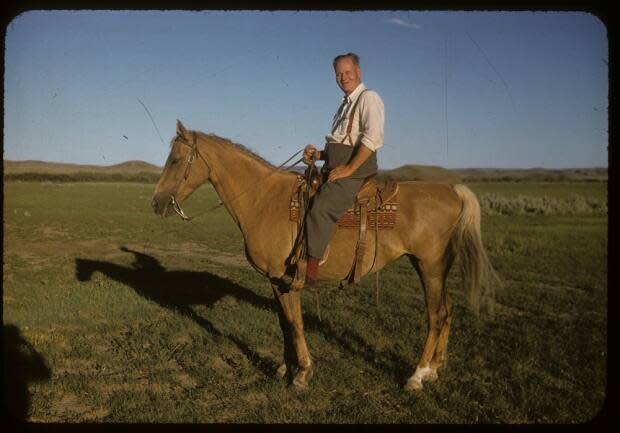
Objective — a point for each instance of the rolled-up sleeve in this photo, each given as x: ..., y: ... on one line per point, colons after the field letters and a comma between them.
x: 372, y: 117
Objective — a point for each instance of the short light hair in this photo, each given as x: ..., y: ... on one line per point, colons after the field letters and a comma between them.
x: 352, y: 56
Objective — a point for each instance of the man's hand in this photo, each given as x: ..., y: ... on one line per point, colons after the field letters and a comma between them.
x: 311, y: 154
x: 362, y: 154
x: 340, y: 172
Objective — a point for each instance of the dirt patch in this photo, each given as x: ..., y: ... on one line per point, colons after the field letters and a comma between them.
x: 186, y: 381
x: 32, y: 258
x: 71, y: 407
x: 196, y: 250
x: 101, y: 348
x: 95, y: 414
x: 69, y: 403
x: 219, y: 364
x: 75, y: 366
x: 268, y: 352
x: 505, y: 310
x: 209, y: 401
x: 127, y: 385
x: 227, y: 301
x: 183, y: 339
x: 163, y: 388
x: 37, y: 253
x: 256, y: 399
x: 227, y: 259
x: 52, y: 232
x: 172, y: 365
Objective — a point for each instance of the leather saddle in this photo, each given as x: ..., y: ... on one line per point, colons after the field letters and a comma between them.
x: 375, y: 207
x: 373, y: 193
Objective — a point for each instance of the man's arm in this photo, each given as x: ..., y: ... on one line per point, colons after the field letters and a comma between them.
x: 362, y: 154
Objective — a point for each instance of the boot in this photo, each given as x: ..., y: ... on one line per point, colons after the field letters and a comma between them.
x: 312, y: 273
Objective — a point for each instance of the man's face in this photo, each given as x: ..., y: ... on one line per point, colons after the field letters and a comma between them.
x: 348, y: 75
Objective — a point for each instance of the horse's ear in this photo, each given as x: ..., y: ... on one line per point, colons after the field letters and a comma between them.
x: 181, y: 131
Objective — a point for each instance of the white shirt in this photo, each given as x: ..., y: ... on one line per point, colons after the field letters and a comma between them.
x: 367, y: 123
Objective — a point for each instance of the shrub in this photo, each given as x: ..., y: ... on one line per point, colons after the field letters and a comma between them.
x: 142, y: 177
x: 493, y: 204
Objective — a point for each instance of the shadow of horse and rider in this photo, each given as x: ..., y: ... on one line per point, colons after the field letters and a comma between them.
x: 22, y: 366
x: 179, y: 290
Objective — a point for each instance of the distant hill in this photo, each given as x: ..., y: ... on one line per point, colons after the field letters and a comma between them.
x: 41, y: 167
x: 141, y: 171
x: 427, y: 173
x: 443, y: 175
x: 594, y: 174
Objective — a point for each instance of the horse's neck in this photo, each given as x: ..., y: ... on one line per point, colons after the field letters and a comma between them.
x: 241, y: 181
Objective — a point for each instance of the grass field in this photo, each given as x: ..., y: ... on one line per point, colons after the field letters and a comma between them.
x: 114, y: 315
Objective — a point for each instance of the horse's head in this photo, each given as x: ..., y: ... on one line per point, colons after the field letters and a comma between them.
x: 185, y: 170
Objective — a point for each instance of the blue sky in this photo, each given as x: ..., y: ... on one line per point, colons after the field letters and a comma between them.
x: 461, y: 89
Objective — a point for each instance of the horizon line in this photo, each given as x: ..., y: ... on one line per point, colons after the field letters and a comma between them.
x: 593, y: 167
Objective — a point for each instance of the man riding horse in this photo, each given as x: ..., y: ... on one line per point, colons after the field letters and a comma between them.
x: 446, y: 218
x: 350, y: 157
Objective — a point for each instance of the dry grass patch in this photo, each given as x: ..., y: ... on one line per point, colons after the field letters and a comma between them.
x: 71, y: 408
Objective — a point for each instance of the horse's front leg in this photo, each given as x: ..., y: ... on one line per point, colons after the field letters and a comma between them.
x: 290, y: 356
x: 295, y: 348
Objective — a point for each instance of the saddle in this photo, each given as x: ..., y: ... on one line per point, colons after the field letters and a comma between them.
x: 376, y: 206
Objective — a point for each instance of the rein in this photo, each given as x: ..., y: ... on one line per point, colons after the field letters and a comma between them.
x: 192, y: 156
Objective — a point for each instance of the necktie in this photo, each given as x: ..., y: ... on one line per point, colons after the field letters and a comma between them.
x: 338, y: 117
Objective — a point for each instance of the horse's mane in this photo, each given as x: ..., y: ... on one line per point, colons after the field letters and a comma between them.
x: 238, y: 146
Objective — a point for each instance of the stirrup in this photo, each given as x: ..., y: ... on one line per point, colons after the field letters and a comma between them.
x: 298, y: 285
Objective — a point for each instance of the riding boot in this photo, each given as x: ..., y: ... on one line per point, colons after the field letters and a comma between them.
x: 312, y: 273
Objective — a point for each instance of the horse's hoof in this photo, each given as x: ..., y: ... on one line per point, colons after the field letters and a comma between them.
x: 300, y: 383
x: 432, y: 376
x: 281, y: 372
x: 414, y: 384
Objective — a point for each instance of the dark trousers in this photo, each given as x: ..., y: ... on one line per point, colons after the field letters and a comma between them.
x: 334, y: 198
x: 328, y: 205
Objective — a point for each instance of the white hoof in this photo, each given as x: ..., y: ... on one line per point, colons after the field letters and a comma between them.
x: 421, y: 374
x: 281, y: 372
x: 414, y: 384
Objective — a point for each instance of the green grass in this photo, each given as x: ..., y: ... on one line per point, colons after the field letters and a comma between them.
x: 141, y: 177
x: 121, y: 316
x: 558, y: 190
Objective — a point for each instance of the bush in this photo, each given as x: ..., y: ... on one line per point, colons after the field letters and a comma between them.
x: 493, y: 204
x: 142, y: 177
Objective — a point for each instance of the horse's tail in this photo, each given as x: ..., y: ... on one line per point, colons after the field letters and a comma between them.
x: 477, y: 274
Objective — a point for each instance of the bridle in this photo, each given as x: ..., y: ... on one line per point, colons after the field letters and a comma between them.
x: 193, y: 154
x: 190, y: 160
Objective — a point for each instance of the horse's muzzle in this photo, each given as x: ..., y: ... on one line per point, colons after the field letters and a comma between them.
x: 162, y: 204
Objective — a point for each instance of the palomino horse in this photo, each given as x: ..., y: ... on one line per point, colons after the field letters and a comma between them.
x: 435, y: 224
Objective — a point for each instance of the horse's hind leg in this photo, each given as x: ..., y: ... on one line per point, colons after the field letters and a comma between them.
x: 295, y: 348
x: 438, y: 309
x: 440, y: 358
